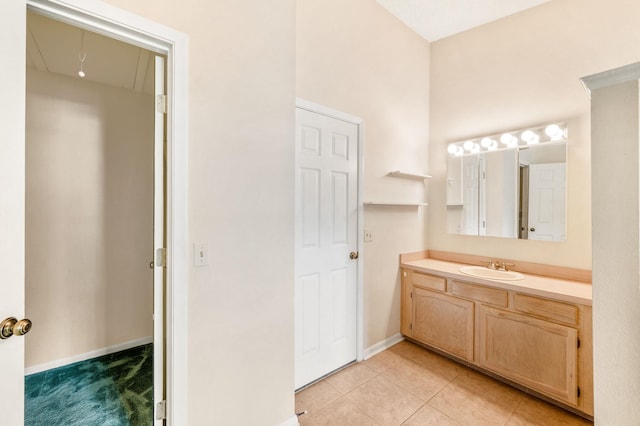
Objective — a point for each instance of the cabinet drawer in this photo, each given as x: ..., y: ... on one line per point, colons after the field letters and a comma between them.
x: 429, y: 281
x: 549, y: 309
x: 491, y: 296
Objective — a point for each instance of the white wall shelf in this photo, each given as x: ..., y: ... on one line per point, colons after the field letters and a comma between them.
x: 408, y: 175
x: 384, y: 203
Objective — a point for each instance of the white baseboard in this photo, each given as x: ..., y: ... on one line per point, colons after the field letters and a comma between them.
x: 87, y: 355
x: 382, y: 346
x: 292, y: 421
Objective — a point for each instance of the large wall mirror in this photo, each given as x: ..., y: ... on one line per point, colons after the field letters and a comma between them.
x: 511, y: 185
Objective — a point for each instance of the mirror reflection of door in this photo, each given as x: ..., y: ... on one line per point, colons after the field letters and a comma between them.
x: 89, y: 228
x: 546, y: 218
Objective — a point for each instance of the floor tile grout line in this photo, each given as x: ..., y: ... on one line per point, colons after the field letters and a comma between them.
x: 506, y: 422
x: 413, y: 414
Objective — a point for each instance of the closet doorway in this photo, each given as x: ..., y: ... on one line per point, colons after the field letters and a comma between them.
x: 95, y: 228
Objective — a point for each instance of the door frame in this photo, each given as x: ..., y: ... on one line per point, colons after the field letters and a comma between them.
x: 121, y: 25
x: 329, y: 112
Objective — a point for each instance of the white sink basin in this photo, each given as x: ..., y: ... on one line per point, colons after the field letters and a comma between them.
x: 492, y: 274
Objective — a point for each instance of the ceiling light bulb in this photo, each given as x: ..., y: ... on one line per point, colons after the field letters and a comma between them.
x: 486, y: 142
x: 82, y: 55
x: 468, y: 145
x: 506, y: 138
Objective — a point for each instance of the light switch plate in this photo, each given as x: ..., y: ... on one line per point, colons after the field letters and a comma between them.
x: 200, y: 254
x: 368, y: 236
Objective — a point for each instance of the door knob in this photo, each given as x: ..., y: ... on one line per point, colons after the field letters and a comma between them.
x: 532, y: 229
x: 11, y: 326
x: 353, y: 255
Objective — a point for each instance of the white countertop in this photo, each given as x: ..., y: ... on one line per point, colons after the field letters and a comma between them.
x: 559, y: 289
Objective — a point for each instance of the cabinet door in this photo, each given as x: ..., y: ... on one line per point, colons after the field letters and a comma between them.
x: 538, y: 354
x: 443, y: 321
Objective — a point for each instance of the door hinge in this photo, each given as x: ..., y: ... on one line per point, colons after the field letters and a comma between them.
x: 161, y: 257
x: 578, y: 342
x: 161, y: 410
x: 578, y: 391
x: 161, y: 104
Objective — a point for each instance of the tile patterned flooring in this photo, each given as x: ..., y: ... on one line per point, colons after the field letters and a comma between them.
x: 113, y: 390
x: 409, y: 385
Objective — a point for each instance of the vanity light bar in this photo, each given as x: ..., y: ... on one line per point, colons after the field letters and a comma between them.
x: 554, y: 132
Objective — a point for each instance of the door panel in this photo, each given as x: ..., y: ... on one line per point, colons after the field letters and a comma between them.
x: 326, y: 232
x: 547, y: 204
x: 12, y: 172
x: 443, y: 321
x: 539, y: 354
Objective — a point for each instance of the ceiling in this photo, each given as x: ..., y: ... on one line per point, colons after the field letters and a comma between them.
x: 55, y: 47
x: 437, y: 19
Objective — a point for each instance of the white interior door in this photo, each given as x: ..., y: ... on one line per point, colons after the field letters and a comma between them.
x: 159, y: 242
x: 547, y: 204
x: 326, y: 234
x: 12, y: 197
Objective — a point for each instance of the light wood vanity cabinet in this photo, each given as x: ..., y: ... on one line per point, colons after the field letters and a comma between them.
x: 539, y: 343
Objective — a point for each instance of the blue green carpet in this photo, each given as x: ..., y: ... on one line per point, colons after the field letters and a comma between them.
x: 111, y: 390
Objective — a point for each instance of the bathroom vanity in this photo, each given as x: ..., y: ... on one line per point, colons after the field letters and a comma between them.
x: 533, y: 332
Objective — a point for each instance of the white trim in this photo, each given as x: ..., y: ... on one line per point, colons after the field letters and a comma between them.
x: 292, y: 421
x: 612, y: 77
x: 358, y: 121
x: 383, y: 346
x: 38, y: 368
x: 360, y: 298
x: 122, y: 25
x: 329, y: 112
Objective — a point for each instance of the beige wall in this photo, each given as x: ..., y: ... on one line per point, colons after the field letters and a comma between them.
x: 89, y: 216
x: 240, y: 202
x: 520, y: 71
x: 357, y: 58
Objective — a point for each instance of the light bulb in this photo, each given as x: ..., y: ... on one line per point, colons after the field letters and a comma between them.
x: 452, y: 149
x: 506, y: 138
x: 493, y: 146
x: 468, y: 145
x: 81, y: 74
x: 554, y: 132
x: 486, y: 142
x: 527, y: 135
